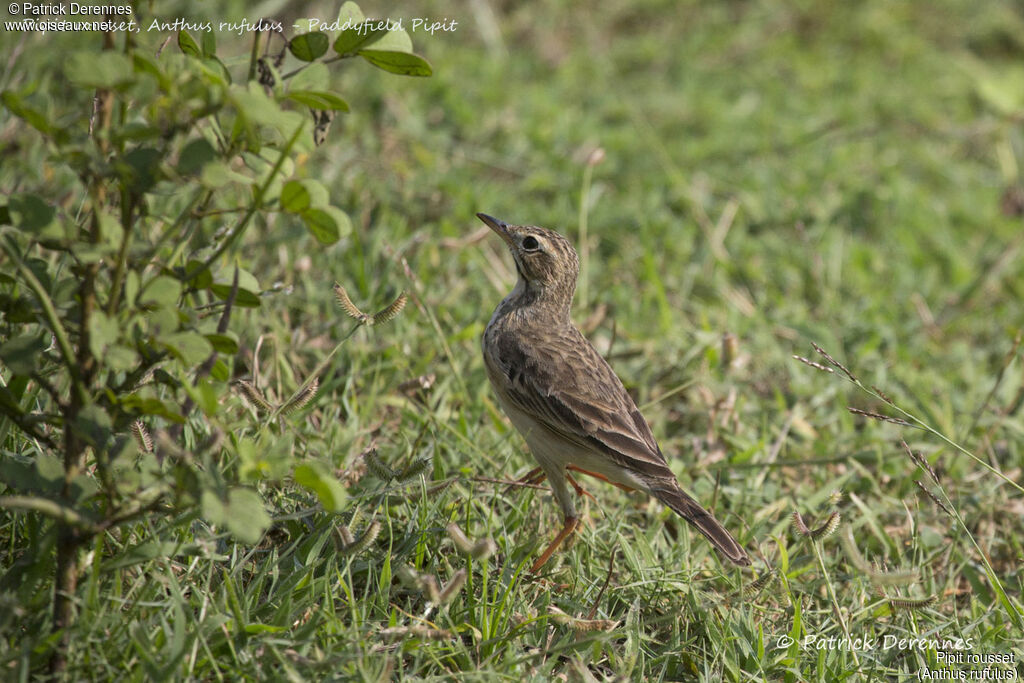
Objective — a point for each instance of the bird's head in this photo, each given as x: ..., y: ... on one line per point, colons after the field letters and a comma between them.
x: 546, y: 262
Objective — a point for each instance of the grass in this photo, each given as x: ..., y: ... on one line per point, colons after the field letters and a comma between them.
x: 788, y: 173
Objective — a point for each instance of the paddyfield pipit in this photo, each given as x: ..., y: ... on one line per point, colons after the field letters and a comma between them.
x: 563, y: 397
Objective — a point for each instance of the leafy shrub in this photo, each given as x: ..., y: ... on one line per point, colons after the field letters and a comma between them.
x: 118, y: 295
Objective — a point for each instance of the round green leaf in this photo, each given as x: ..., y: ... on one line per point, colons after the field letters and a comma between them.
x: 316, y: 477
x: 294, y: 197
x: 309, y: 46
x: 196, y: 154
x: 322, y: 225
x: 191, y: 347
x: 30, y: 213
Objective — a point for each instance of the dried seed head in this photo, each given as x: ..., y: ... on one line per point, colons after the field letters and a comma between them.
x: 879, y: 416
x: 912, y: 604
x: 414, y: 469
x: 595, y: 157
x: 346, y: 305
x: 365, y: 539
x: 390, y: 312
x: 816, y: 366
x: 347, y: 539
x: 453, y: 587
x: 564, y: 619
x: 302, y: 398
x: 141, y: 435
x: 378, y: 468
x: 828, y: 528
x: 459, y: 538
x: 730, y: 346
x: 254, y: 397
x: 882, y: 395
x: 799, y: 525
x: 920, y: 461
x: 935, y: 499
x: 758, y: 584
x: 836, y: 363
x: 483, y: 548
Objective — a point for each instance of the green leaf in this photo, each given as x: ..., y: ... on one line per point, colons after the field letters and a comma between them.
x: 107, y: 69
x: 224, y: 343
x: 318, y: 99
x: 403, y: 63
x: 220, y: 371
x: 191, y: 347
x: 294, y: 197
x: 118, y: 357
x: 248, y: 289
x: 195, y: 155
x: 162, y: 290
x: 396, y: 40
x: 350, y: 12
x: 29, y: 115
x: 217, y: 174
x: 203, y: 278
x: 257, y: 109
x: 318, y: 194
x: 40, y: 474
x: 207, y: 397
x: 209, y: 41
x: 30, y: 213
x: 22, y: 354
x: 242, y: 513
x: 246, y: 298
x: 188, y: 44
x: 141, y: 168
x: 144, y: 65
x: 314, y: 77
x: 321, y: 225
x: 341, y: 219
x: 361, y: 33
x: 319, y: 479
x: 103, y: 332
x: 309, y: 46
x: 92, y: 425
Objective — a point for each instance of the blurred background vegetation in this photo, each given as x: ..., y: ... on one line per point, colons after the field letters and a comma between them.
x: 775, y: 173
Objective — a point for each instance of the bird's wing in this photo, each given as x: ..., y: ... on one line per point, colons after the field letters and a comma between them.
x: 561, y: 381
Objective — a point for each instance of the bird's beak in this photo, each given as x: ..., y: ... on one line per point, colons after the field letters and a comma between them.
x: 500, y: 227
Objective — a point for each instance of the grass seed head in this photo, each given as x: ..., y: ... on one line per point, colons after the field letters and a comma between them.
x: 141, y: 435
x: 302, y: 398
x: 390, y: 312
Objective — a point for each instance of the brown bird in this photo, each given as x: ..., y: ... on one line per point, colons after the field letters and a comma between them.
x: 563, y: 397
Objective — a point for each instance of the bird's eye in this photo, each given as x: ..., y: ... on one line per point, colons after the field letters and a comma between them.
x: 530, y: 243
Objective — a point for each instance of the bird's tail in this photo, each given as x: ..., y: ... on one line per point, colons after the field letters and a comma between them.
x: 690, y: 510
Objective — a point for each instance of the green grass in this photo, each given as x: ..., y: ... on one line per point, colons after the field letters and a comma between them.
x: 785, y: 172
